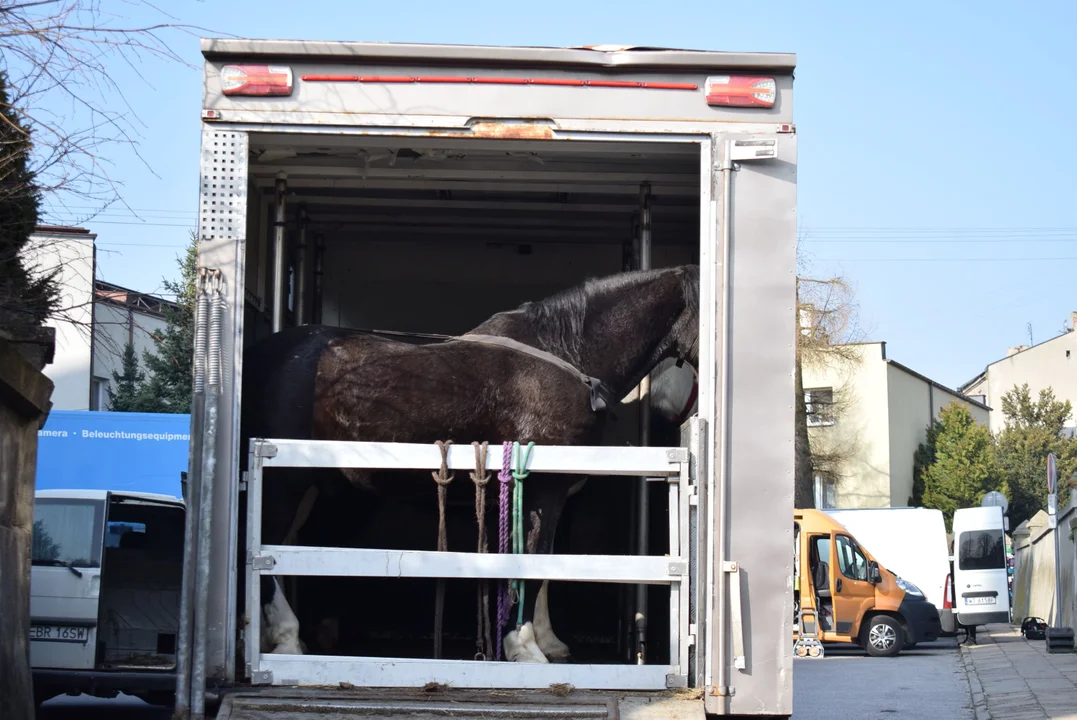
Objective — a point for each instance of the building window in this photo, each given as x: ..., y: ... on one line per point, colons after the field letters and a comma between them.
x: 826, y: 491
x: 98, y: 394
x: 819, y: 403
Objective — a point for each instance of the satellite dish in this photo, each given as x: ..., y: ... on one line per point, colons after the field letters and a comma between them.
x: 995, y: 499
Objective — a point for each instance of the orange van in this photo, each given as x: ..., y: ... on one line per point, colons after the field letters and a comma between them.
x: 843, y: 595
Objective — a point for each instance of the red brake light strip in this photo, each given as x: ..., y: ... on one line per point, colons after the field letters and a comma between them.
x: 557, y: 82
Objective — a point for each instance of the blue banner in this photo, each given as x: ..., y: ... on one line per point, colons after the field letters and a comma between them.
x: 86, y: 450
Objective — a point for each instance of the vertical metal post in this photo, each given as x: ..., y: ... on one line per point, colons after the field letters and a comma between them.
x: 205, y: 511
x: 721, y: 490
x: 280, y: 270
x: 644, y: 507
x: 192, y: 503
x: 302, y: 270
x: 319, y: 261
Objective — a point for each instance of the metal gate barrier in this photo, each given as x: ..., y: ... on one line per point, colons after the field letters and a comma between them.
x: 670, y: 465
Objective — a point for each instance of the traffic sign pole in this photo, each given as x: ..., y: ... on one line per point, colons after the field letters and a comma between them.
x: 1052, y: 518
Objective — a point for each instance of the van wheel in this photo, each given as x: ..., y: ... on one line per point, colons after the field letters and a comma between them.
x: 883, y: 636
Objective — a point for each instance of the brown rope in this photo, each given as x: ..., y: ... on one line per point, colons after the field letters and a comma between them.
x: 442, y: 477
x: 483, y: 630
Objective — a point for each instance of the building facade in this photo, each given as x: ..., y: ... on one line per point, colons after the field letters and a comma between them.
x: 96, y: 319
x: 867, y: 415
x: 71, y: 251
x: 1050, y: 364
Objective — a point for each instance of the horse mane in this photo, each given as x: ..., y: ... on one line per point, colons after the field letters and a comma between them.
x: 558, y: 321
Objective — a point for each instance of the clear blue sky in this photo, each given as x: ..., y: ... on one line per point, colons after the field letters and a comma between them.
x: 938, y: 156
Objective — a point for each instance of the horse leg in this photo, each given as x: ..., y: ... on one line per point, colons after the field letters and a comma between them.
x: 543, y: 501
x: 550, y: 645
x: 280, y: 524
x: 280, y: 629
x: 548, y: 642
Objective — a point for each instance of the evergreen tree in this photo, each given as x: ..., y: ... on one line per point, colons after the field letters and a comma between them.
x: 1034, y: 428
x: 128, y: 383
x: 168, y: 388
x: 963, y: 468
x: 921, y: 460
x: 25, y: 300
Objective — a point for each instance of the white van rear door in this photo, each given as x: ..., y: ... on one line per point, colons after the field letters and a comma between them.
x: 65, y: 582
x: 980, y: 586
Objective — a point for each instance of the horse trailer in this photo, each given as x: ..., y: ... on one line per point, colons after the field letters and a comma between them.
x: 415, y: 191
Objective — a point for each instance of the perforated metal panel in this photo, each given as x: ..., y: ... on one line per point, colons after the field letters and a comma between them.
x: 222, y: 210
x: 222, y: 231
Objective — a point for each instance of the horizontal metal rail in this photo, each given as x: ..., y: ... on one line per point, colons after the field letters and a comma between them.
x: 401, y: 672
x: 575, y: 460
x: 349, y: 562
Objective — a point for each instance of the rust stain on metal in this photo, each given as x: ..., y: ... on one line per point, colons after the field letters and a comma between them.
x: 511, y: 131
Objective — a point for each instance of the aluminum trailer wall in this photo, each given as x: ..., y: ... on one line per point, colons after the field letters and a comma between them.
x: 747, y: 190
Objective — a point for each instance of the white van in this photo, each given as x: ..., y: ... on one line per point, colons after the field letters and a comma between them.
x: 105, y: 593
x: 910, y: 542
x: 981, y: 573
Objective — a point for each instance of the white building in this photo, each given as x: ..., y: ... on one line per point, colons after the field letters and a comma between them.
x: 71, y: 250
x: 868, y: 414
x: 1050, y: 364
x: 96, y: 321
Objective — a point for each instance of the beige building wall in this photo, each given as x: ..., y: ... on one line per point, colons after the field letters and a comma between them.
x: 914, y: 403
x: 1052, y: 363
x: 860, y: 433
x: 881, y: 411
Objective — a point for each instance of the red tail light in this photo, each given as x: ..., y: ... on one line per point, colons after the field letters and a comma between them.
x: 734, y: 91
x: 256, y: 80
x: 946, y: 604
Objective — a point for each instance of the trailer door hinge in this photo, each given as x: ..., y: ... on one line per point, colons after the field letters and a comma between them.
x: 262, y: 677
x: 265, y: 450
x: 729, y: 566
x: 243, y: 482
x: 676, y: 680
x: 263, y: 562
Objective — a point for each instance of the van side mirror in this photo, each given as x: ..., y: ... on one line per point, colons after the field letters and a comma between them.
x: 1005, y: 523
x: 876, y: 575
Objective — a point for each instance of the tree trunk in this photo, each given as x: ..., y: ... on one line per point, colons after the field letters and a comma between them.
x: 804, y: 484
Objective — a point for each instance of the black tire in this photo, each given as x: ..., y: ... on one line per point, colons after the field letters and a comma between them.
x: 883, y: 636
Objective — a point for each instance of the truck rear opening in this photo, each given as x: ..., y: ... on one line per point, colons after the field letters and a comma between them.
x: 420, y: 190
x: 434, y: 235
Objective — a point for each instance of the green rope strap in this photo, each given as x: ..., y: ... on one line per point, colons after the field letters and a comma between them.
x: 519, y: 474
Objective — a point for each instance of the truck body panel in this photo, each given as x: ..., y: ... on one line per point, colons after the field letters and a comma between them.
x: 725, y: 177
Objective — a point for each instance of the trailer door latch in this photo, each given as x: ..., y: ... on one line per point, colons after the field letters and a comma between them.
x: 263, y: 562
x: 262, y: 677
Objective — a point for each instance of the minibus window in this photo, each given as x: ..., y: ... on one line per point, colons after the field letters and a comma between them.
x: 67, y: 532
x: 981, y: 550
x: 851, y: 561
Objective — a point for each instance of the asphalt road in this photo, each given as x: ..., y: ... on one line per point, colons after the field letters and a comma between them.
x: 925, y: 683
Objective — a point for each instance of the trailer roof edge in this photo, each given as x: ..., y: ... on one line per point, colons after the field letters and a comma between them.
x: 413, y: 52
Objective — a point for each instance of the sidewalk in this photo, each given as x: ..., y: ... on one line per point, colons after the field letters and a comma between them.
x: 1015, y: 679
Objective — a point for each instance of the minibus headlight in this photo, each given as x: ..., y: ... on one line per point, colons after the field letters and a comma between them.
x: 908, y: 587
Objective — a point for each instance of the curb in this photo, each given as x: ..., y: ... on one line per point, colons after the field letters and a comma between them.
x: 976, y: 691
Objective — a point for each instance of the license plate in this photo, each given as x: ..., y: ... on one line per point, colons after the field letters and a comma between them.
x: 59, y: 633
x: 980, y: 600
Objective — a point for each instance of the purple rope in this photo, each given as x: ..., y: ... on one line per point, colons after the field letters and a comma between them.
x: 505, y: 476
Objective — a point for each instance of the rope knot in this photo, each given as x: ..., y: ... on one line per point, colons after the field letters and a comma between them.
x: 442, y: 476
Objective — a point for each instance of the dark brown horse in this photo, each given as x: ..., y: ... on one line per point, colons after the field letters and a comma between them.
x: 326, y: 383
